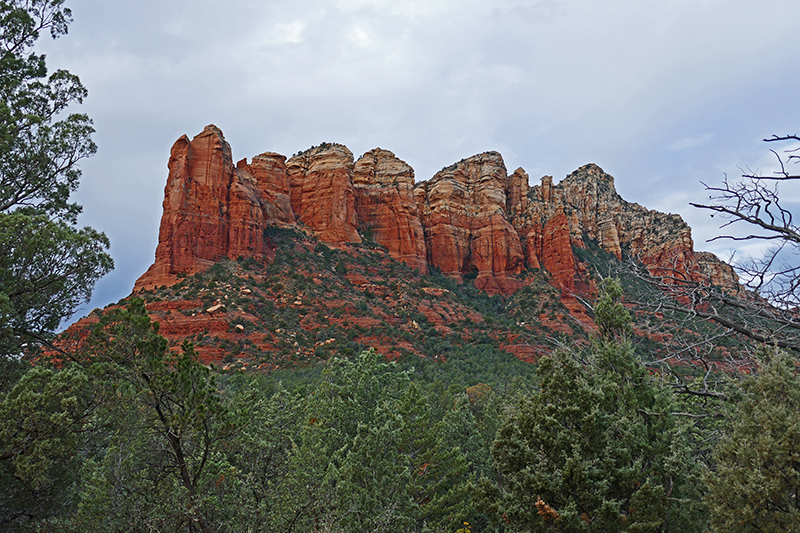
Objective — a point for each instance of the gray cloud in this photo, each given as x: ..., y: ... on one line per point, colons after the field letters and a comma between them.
x: 660, y: 94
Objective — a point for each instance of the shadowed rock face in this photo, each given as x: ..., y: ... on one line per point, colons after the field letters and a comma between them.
x: 595, y: 212
x: 471, y: 220
x: 269, y: 171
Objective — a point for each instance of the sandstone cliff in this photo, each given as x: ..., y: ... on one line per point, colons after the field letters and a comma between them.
x: 213, y: 210
x: 467, y: 232
x: 321, y: 181
x: 472, y: 220
x: 585, y: 206
x: 386, y: 209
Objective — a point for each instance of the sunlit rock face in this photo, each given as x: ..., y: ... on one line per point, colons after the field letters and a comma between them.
x: 386, y: 208
x: 471, y: 221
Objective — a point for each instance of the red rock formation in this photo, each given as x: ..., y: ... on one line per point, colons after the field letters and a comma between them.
x: 321, y: 182
x: 596, y: 212
x: 556, y: 252
x: 470, y: 220
x: 212, y: 210
x: 463, y: 210
x: 385, y: 205
x: 719, y: 273
x: 517, y: 193
x: 269, y: 171
x: 194, y: 230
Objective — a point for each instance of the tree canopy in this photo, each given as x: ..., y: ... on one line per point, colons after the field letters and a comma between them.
x: 598, y: 447
x: 48, y: 266
x: 755, y: 484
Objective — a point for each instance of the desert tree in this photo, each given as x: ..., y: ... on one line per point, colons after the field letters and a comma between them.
x: 754, y: 203
x: 165, y: 426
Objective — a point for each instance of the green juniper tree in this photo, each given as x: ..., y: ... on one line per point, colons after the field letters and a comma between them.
x: 47, y: 264
x: 43, y: 417
x: 596, y: 449
x: 370, y: 456
x: 165, y: 423
x: 755, y: 485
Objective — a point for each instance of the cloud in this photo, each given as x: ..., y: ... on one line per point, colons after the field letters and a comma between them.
x: 687, y: 143
x: 637, y: 87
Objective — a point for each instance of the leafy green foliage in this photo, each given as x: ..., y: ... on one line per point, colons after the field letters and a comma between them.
x: 47, y: 268
x: 41, y: 421
x: 131, y: 432
x: 169, y: 443
x: 371, y: 456
x: 596, y: 448
x: 611, y: 317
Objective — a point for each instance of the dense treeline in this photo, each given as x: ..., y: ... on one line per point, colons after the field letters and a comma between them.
x: 126, y: 435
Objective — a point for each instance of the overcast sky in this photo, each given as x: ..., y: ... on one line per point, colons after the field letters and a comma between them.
x: 660, y: 94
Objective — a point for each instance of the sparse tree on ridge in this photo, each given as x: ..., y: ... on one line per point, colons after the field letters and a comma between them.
x: 754, y: 202
x: 705, y: 317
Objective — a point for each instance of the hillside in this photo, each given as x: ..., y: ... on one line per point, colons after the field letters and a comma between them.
x: 278, y: 262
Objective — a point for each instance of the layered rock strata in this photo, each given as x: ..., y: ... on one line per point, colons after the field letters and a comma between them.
x: 213, y: 210
x: 386, y: 208
x: 471, y: 221
x: 322, y: 197
x: 467, y: 232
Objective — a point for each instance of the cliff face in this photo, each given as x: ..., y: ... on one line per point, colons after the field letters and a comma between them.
x: 472, y: 220
x: 321, y: 182
x: 595, y: 212
x: 194, y: 226
x: 213, y: 210
x: 386, y: 209
x: 467, y: 233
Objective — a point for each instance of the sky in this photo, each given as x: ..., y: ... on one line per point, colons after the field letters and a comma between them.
x: 662, y: 95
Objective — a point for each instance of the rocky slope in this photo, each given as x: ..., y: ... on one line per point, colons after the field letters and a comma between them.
x: 471, y: 225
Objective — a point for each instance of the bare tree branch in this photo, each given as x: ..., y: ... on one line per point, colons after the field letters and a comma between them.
x: 755, y: 201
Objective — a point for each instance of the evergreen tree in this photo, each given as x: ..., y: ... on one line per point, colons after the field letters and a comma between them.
x: 43, y: 420
x: 596, y: 448
x: 755, y: 486
x: 164, y: 426
x: 48, y: 265
x: 371, y: 458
